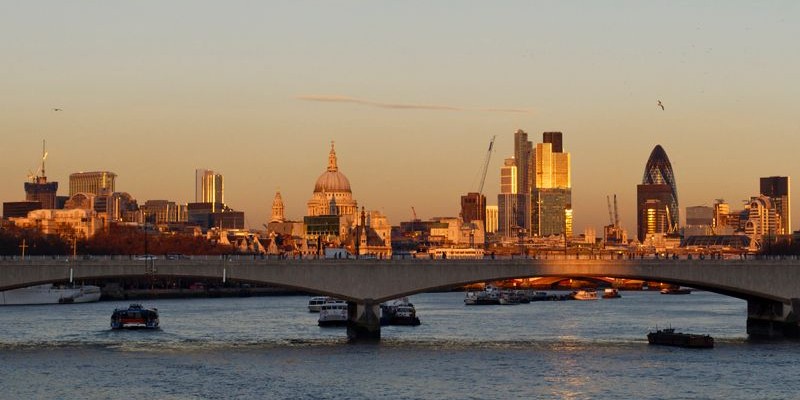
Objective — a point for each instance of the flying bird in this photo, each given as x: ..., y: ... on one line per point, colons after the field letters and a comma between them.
x: 661, y: 105
x: 57, y: 109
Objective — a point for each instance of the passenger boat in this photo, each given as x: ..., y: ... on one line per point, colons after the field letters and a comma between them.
x: 585, y: 294
x: 50, y: 294
x: 488, y: 296
x: 135, y: 316
x: 316, y: 302
x: 611, y: 293
x: 668, y: 337
x: 399, y: 312
x: 333, y: 313
x: 676, y: 290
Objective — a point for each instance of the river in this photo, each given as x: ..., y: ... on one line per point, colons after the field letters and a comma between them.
x: 272, y: 348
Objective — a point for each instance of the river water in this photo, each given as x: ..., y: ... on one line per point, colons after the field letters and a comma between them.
x: 271, y: 347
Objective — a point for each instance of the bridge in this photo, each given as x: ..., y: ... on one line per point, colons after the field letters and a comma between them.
x: 770, y: 287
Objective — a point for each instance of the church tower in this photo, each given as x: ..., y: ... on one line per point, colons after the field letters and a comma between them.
x: 277, y: 208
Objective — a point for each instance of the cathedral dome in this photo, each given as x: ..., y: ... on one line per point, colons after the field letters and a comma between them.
x: 332, y: 181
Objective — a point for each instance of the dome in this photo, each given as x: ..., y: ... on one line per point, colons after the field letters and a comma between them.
x: 332, y: 181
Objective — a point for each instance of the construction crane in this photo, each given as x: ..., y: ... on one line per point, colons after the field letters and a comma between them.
x: 486, y: 165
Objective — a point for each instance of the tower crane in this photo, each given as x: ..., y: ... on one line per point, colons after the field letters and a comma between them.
x: 486, y: 165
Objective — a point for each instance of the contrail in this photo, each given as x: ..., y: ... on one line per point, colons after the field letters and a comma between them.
x: 401, y: 106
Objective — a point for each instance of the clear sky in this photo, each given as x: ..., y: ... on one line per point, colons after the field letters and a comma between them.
x: 412, y: 90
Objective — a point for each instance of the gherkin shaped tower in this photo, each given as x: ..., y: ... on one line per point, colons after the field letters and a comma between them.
x: 657, y: 196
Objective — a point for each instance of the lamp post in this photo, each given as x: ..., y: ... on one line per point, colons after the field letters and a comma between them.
x: 23, y: 246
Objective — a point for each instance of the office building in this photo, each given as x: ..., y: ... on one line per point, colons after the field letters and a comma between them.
x: 491, y: 219
x: 657, y: 197
x: 209, y: 188
x: 777, y: 189
x: 523, y: 154
x: 473, y: 208
x: 551, y: 194
x: 98, y: 182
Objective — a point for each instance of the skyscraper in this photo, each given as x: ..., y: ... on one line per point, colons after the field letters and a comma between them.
x: 777, y: 189
x: 551, y: 194
x: 209, y: 187
x: 657, y: 197
x: 523, y: 154
x: 508, y: 219
x: 473, y: 208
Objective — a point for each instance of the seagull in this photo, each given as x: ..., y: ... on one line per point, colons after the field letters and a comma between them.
x: 661, y: 105
x: 57, y: 109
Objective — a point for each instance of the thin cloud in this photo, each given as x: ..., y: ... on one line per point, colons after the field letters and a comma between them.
x: 401, y: 106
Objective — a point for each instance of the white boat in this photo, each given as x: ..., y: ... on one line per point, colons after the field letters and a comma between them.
x: 585, y: 294
x: 333, y: 313
x: 316, y: 302
x: 50, y: 294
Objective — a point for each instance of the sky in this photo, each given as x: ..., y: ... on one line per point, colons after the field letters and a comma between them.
x: 411, y: 92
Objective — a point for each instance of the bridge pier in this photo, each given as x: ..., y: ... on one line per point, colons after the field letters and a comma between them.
x: 363, y: 321
x: 772, y: 319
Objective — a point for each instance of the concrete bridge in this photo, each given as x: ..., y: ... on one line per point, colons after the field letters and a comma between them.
x: 770, y: 287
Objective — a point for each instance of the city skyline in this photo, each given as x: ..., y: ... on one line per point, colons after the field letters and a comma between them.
x: 223, y: 91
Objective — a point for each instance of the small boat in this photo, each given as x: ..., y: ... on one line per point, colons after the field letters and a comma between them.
x: 611, y: 293
x: 135, y: 316
x: 668, y: 337
x: 315, y: 303
x: 585, y: 294
x: 676, y: 290
x: 333, y: 313
x: 399, y: 312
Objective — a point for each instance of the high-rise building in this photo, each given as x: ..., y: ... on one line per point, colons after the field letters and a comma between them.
x: 551, y: 194
x: 523, y: 154
x: 509, y: 220
x: 777, y: 189
x: 491, y: 219
x: 473, y: 208
x: 98, y: 182
x: 554, y: 138
x: 209, y: 187
x: 508, y: 176
x: 552, y: 211
x: 658, y: 189
x: 763, y: 219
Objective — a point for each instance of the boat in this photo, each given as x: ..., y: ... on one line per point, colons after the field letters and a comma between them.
x: 135, y: 316
x: 676, y: 290
x: 399, y: 312
x: 508, y: 298
x: 611, y: 293
x: 668, y: 337
x: 316, y: 302
x: 50, y: 294
x: 489, y: 296
x: 333, y: 313
x: 585, y: 294
x: 539, y: 296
